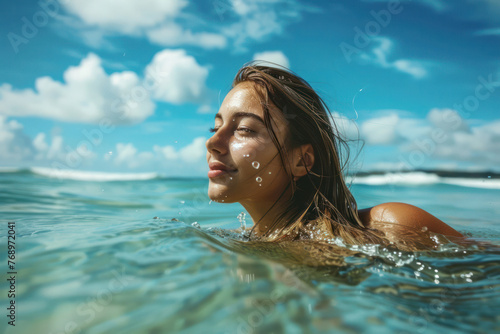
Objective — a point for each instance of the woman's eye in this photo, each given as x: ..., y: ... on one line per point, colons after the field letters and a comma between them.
x: 240, y: 130
x: 245, y: 130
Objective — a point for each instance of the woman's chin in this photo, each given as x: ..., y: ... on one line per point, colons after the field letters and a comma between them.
x: 220, y: 199
x: 217, y: 195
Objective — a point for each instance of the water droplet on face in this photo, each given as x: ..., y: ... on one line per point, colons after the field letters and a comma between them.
x: 256, y: 164
x: 258, y: 179
x: 424, y: 229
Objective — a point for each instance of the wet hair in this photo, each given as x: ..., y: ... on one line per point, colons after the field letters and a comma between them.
x: 322, y: 195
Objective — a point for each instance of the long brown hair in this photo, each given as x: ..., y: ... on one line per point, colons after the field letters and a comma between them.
x: 322, y: 195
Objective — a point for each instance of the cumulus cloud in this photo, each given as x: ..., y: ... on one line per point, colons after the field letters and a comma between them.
x: 276, y: 57
x: 46, y: 152
x: 347, y: 128
x: 196, y: 151
x: 443, y: 139
x: 15, y: 145
x: 127, y: 17
x: 453, y: 139
x: 18, y: 148
x: 443, y: 136
x: 381, y: 131
x: 128, y: 155
x: 182, y: 79
x: 257, y: 20
x: 483, y: 11
x: 166, y: 22
x: 89, y: 95
x: 172, y: 34
x: 448, y: 120
x: 379, y: 54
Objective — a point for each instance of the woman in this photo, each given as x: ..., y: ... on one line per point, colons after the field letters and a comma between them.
x: 275, y: 150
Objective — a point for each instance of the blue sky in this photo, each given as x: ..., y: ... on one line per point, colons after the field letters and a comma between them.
x: 133, y: 86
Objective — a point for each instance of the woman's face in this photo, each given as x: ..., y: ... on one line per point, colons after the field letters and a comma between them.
x: 244, y: 162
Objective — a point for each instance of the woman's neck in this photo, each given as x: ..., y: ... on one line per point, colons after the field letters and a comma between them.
x: 264, y: 214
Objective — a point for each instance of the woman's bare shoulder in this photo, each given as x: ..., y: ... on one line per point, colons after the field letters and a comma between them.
x: 396, y: 214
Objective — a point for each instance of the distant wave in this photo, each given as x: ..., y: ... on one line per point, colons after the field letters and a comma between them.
x: 12, y: 169
x: 69, y: 174
x: 423, y: 178
x: 418, y: 178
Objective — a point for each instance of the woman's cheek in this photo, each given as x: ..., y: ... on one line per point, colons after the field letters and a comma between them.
x: 243, y: 149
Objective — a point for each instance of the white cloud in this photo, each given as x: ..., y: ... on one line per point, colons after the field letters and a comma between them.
x: 182, y: 79
x: 126, y: 155
x: 448, y: 120
x: 192, y: 154
x: 166, y: 22
x: 347, y: 127
x: 17, y: 148
x: 44, y: 152
x: 127, y: 17
x: 480, y: 145
x: 382, y: 130
x: 89, y: 95
x: 443, y: 138
x: 379, y: 54
x: 452, y: 139
x: 477, y: 10
x: 276, y: 57
x: 257, y: 20
x: 171, y: 34
x: 15, y: 145
x: 196, y: 151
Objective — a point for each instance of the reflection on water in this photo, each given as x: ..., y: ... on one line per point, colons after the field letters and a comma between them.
x: 97, y: 262
x: 165, y: 276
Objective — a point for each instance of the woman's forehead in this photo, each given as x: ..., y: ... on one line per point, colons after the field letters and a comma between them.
x: 243, y: 96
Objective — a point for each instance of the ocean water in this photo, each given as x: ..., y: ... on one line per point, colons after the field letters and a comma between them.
x: 141, y: 253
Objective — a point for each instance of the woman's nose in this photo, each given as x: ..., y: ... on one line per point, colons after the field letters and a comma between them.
x: 217, y: 143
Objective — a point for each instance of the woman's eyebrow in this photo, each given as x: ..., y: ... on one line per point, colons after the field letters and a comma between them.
x: 242, y: 114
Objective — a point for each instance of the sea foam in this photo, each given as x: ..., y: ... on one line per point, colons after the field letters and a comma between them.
x: 69, y: 174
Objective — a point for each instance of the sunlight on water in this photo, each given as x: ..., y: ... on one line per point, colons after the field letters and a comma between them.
x: 154, y: 256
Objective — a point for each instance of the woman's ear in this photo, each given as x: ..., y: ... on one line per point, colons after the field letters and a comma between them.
x: 302, y: 160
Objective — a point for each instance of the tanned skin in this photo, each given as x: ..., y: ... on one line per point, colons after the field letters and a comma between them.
x: 406, y: 216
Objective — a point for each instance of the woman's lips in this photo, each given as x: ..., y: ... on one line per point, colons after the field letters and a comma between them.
x: 217, y: 172
x: 218, y: 169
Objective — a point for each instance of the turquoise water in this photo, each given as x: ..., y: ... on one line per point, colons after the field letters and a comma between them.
x: 101, y: 256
